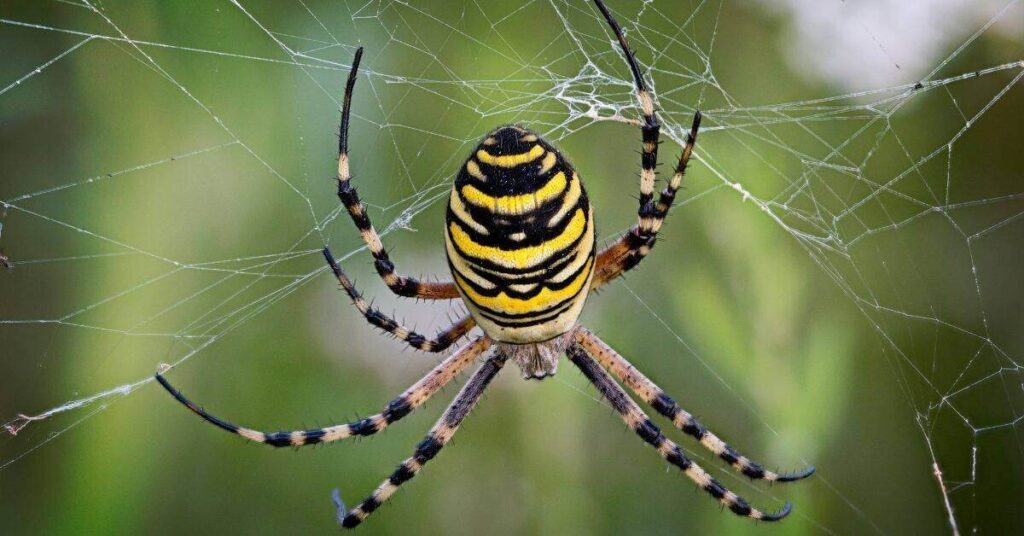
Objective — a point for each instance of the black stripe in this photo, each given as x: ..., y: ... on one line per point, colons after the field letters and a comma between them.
x: 278, y: 439
x: 507, y: 140
x: 363, y: 427
x: 694, y: 428
x: 369, y: 505
x: 715, y: 489
x: 499, y: 278
x: 312, y: 437
x: 543, y: 282
x: 521, y: 179
x: 520, y: 324
x: 534, y: 225
x: 427, y: 449
x: 664, y: 405
x: 649, y: 433
x: 753, y: 471
x: 348, y: 196
x: 729, y: 455
x: 650, y: 138
x: 740, y: 507
x: 401, y: 475
x: 677, y: 458
x: 416, y: 340
x: 531, y: 318
x: 396, y: 409
x: 485, y: 263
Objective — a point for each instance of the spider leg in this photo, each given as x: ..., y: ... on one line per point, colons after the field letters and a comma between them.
x: 629, y: 250
x: 650, y: 128
x: 401, y: 285
x: 632, y: 247
x: 439, y: 343
x: 657, y: 399
x: 401, y: 406
x: 439, y: 435
x: 638, y: 421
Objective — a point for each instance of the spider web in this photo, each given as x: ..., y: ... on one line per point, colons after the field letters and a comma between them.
x: 138, y: 247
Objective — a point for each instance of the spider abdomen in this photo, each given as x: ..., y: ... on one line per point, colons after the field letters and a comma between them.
x: 519, y: 234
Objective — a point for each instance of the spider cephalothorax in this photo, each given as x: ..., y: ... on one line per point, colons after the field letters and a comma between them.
x: 519, y: 234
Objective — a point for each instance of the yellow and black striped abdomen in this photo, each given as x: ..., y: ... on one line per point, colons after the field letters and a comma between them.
x: 520, y: 238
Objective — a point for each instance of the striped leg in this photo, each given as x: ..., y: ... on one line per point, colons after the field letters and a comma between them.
x: 629, y: 250
x: 650, y: 128
x: 438, y: 437
x: 401, y: 406
x: 657, y: 399
x: 401, y: 285
x: 439, y: 343
x: 638, y: 421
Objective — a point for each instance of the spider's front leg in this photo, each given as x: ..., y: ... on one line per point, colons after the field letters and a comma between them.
x: 399, y: 284
x: 630, y: 249
x: 401, y: 406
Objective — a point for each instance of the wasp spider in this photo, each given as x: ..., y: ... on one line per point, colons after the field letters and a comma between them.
x: 520, y: 243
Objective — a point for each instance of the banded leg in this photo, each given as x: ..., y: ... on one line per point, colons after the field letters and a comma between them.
x: 629, y: 250
x: 657, y: 399
x: 438, y: 437
x: 638, y: 421
x: 401, y: 406
x: 650, y: 128
x: 401, y: 285
x: 439, y: 343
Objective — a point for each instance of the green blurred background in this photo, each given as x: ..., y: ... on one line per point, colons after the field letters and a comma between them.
x: 168, y: 180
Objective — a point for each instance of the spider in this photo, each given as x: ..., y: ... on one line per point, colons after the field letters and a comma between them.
x: 520, y: 243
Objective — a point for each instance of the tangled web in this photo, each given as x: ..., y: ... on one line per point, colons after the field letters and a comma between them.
x: 886, y: 188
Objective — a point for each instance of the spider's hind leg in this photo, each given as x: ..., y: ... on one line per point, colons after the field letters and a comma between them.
x: 663, y: 404
x: 398, y: 408
x: 638, y: 421
x: 427, y: 449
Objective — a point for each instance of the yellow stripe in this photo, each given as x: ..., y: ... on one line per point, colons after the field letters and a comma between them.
x: 474, y: 170
x: 462, y: 267
x: 455, y: 203
x: 548, y: 162
x: 472, y: 272
x: 571, y: 197
x: 510, y: 160
x: 583, y: 252
x: 544, y: 299
x: 517, y: 204
x: 520, y: 258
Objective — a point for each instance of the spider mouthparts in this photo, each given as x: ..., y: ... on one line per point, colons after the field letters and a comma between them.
x: 339, y: 504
